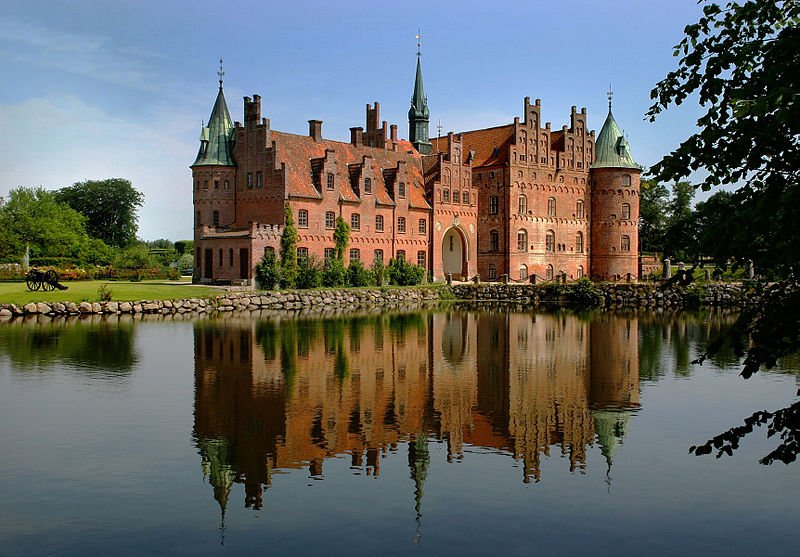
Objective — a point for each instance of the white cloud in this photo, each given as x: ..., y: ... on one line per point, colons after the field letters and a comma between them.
x: 56, y: 142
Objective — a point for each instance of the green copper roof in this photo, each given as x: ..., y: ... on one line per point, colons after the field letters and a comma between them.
x: 419, y: 102
x: 216, y: 139
x: 611, y: 148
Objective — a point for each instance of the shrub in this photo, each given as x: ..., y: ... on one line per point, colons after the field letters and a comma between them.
x: 402, y: 273
x: 334, y: 274
x: 378, y: 272
x: 584, y: 293
x: 358, y: 275
x: 267, y: 272
x: 309, y: 273
x: 104, y: 293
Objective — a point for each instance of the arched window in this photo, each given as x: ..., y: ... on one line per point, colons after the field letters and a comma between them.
x: 522, y: 240
x: 494, y: 241
x: 492, y: 271
x: 523, y: 205
x: 626, y: 211
x: 523, y: 272
x: 548, y: 272
x: 579, y: 272
x: 625, y: 244
x: 367, y: 185
x: 626, y: 179
x: 579, y: 210
x: 302, y: 218
x: 215, y: 218
x: 551, y: 207
x: 579, y: 242
x: 550, y: 241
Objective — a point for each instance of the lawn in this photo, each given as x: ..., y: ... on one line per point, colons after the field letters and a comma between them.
x: 122, y: 291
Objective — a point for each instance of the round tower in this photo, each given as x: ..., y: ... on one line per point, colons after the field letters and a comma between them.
x: 213, y: 181
x: 615, y: 178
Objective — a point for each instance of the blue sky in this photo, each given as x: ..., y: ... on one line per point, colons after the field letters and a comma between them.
x: 98, y: 89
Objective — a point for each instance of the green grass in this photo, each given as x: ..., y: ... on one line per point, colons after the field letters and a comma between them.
x: 87, y: 291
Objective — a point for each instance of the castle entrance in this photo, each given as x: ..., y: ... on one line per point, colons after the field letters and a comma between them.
x: 454, y: 254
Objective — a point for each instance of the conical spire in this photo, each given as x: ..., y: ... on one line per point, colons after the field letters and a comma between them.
x: 611, y: 148
x: 419, y: 114
x: 216, y: 139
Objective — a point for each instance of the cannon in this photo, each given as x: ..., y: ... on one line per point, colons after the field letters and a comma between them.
x: 44, y: 280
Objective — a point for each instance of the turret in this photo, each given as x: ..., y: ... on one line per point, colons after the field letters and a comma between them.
x: 419, y: 114
x: 615, y: 205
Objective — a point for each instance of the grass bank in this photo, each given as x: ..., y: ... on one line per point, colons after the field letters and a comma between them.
x: 88, y: 291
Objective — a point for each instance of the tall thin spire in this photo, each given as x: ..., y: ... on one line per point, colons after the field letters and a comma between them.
x: 418, y: 114
x: 216, y: 138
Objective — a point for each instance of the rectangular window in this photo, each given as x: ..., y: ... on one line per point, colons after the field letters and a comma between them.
x: 330, y: 181
x: 445, y: 196
x: 626, y: 211
x: 522, y: 158
x: 355, y: 221
x: 401, y: 225
x: 355, y: 254
x: 227, y: 185
x: 401, y: 255
x: 219, y: 259
x: 330, y: 219
x: 205, y: 184
x: 493, y: 203
x: 230, y: 257
x: 329, y: 252
x: 215, y: 218
x: 302, y: 254
x: 378, y: 223
x: 423, y: 226
x: 379, y: 254
x: 216, y: 184
x: 250, y: 180
x: 421, y: 257
x: 259, y: 180
x: 402, y: 189
x: 302, y: 218
x: 367, y: 185
x: 465, y: 198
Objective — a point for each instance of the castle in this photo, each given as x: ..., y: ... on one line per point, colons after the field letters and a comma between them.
x: 519, y: 201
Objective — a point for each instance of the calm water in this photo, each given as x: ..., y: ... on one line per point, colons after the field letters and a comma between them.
x: 429, y: 433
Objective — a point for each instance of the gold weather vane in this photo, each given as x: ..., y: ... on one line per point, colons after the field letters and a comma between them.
x: 220, y: 73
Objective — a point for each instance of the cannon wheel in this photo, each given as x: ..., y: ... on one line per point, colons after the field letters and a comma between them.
x: 32, y: 283
x: 49, y: 281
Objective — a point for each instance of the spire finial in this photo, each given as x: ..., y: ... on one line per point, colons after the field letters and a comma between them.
x: 439, y: 128
x: 610, y: 96
x: 419, y: 42
x: 220, y: 73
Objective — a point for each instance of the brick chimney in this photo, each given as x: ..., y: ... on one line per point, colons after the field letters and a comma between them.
x: 357, y: 136
x: 315, y: 129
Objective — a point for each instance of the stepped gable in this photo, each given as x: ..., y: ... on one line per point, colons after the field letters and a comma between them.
x: 297, y: 152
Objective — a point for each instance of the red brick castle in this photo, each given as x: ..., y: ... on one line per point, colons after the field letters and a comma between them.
x: 516, y: 200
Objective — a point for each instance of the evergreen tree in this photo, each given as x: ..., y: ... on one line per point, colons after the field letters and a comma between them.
x: 288, y: 250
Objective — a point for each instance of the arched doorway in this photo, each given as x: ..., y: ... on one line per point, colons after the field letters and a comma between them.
x: 454, y: 253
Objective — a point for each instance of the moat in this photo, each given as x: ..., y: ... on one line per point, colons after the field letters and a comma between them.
x: 434, y: 432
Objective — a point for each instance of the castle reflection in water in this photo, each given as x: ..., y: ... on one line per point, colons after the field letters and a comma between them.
x: 288, y: 393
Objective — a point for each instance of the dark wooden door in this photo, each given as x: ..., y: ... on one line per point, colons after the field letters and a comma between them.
x: 209, y: 264
x: 244, y: 263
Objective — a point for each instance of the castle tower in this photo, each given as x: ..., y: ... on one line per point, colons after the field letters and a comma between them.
x: 419, y: 115
x: 615, y: 205
x: 214, y: 178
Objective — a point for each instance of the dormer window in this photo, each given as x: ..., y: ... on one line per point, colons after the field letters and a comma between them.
x: 367, y: 185
x: 401, y: 189
x: 330, y: 181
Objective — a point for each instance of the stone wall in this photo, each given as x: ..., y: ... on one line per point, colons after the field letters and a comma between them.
x: 612, y: 294
x: 240, y: 301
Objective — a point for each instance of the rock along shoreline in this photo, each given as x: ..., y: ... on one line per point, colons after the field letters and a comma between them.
x: 641, y: 295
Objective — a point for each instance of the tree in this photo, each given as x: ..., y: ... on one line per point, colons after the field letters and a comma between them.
x: 743, y: 63
x: 34, y: 218
x: 109, y: 207
x: 341, y: 237
x: 679, y: 233
x: 653, y: 202
x: 712, y: 223
x: 288, y: 250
